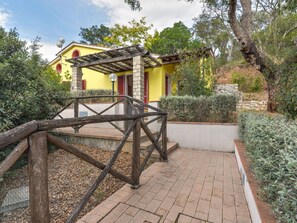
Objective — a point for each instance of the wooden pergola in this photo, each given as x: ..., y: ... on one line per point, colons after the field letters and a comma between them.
x: 116, y: 60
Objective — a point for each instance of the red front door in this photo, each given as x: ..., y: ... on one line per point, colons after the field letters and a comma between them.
x: 121, y: 85
x: 146, y: 88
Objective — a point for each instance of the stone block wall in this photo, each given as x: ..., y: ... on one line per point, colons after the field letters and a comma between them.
x: 228, y: 89
x: 252, y: 105
x: 241, y: 105
x: 138, y: 78
x: 76, y: 83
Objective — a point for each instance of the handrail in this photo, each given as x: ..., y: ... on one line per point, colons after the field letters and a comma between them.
x: 17, y: 133
x: 20, y: 132
x: 33, y: 136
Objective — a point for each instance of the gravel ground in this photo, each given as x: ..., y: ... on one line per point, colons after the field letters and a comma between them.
x: 69, y: 180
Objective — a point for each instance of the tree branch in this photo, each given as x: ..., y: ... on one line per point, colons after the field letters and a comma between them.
x: 246, y: 18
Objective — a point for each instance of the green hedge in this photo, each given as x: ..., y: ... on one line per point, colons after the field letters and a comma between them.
x: 217, y: 108
x: 95, y: 92
x: 271, y: 144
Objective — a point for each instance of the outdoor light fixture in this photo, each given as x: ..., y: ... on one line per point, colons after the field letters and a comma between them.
x: 60, y: 43
x: 113, y: 78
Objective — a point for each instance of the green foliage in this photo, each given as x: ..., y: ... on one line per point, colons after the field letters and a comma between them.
x: 217, y: 108
x: 137, y: 32
x: 28, y: 89
x: 277, y: 37
x: 286, y: 96
x: 95, y: 35
x: 173, y: 39
x: 215, y: 33
x: 193, y: 76
x: 223, y: 107
x: 272, y: 148
x: 247, y: 84
x: 94, y: 92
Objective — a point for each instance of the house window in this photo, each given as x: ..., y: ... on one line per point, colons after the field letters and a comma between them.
x: 59, y: 68
x: 75, y: 54
x: 84, y: 84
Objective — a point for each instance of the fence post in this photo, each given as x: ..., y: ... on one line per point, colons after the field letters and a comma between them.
x: 164, y: 137
x: 76, y: 111
x: 136, y: 154
x: 126, y: 110
x: 38, y: 178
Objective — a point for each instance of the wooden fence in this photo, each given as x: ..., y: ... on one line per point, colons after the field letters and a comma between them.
x: 33, y: 136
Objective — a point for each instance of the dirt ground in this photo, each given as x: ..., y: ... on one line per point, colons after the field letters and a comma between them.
x: 69, y: 180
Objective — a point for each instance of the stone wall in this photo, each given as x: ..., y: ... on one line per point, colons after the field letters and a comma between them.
x: 76, y: 83
x: 241, y: 105
x: 252, y: 105
x: 228, y: 89
x: 138, y: 78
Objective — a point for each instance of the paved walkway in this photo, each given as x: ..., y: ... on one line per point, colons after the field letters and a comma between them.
x: 194, y: 186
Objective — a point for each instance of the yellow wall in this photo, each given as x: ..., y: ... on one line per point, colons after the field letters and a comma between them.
x: 95, y: 80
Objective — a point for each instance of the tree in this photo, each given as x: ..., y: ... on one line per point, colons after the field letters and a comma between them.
x: 193, y: 76
x: 95, y: 35
x: 239, y: 13
x: 212, y: 30
x: 137, y: 32
x: 174, y: 38
x: 29, y: 89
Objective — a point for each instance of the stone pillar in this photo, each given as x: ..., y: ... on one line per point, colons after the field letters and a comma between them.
x: 76, y: 83
x: 138, y: 78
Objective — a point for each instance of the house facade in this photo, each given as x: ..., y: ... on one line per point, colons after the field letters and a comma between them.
x: 140, y: 74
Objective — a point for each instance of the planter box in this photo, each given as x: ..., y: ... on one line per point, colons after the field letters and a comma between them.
x: 259, y: 210
x: 205, y: 136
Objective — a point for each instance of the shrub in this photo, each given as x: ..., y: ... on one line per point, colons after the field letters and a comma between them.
x: 94, y: 92
x: 218, y: 108
x: 271, y: 144
x: 247, y: 83
x: 223, y: 107
x: 286, y: 96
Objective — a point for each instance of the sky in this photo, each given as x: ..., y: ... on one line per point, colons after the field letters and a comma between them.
x: 54, y: 19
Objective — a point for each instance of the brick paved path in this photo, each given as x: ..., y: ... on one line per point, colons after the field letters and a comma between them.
x: 194, y: 186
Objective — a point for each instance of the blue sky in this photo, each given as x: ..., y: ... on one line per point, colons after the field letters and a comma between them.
x: 53, y: 19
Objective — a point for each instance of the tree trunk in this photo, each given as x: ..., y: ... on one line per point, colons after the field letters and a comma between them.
x: 250, y: 52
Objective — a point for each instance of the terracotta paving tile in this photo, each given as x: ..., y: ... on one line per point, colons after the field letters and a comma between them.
x: 193, y: 186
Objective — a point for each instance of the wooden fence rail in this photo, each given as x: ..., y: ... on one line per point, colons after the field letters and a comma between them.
x: 33, y: 137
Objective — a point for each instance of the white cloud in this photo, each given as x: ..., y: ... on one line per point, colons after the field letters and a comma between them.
x: 160, y: 13
x: 4, y: 16
x: 48, y: 50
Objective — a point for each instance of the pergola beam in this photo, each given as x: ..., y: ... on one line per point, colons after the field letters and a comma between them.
x: 111, y: 60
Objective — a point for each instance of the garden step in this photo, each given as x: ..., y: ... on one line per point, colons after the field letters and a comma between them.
x: 144, y: 137
x: 145, y: 146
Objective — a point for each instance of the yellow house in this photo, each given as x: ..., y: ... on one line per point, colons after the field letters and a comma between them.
x: 140, y: 74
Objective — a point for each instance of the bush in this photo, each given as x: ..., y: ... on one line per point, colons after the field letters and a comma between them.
x: 286, y: 96
x: 247, y: 84
x: 223, y: 107
x: 271, y: 144
x: 94, y: 92
x: 218, y: 108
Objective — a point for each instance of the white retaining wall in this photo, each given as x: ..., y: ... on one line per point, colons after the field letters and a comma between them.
x: 254, y: 212
x: 98, y: 107
x: 205, y: 136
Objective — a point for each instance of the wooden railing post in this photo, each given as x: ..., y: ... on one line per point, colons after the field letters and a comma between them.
x: 136, y: 154
x: 127, y: 111
x: 164, y: 138
x: 38, y: 178
x: 76, y: 111
x: 126, y: 104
